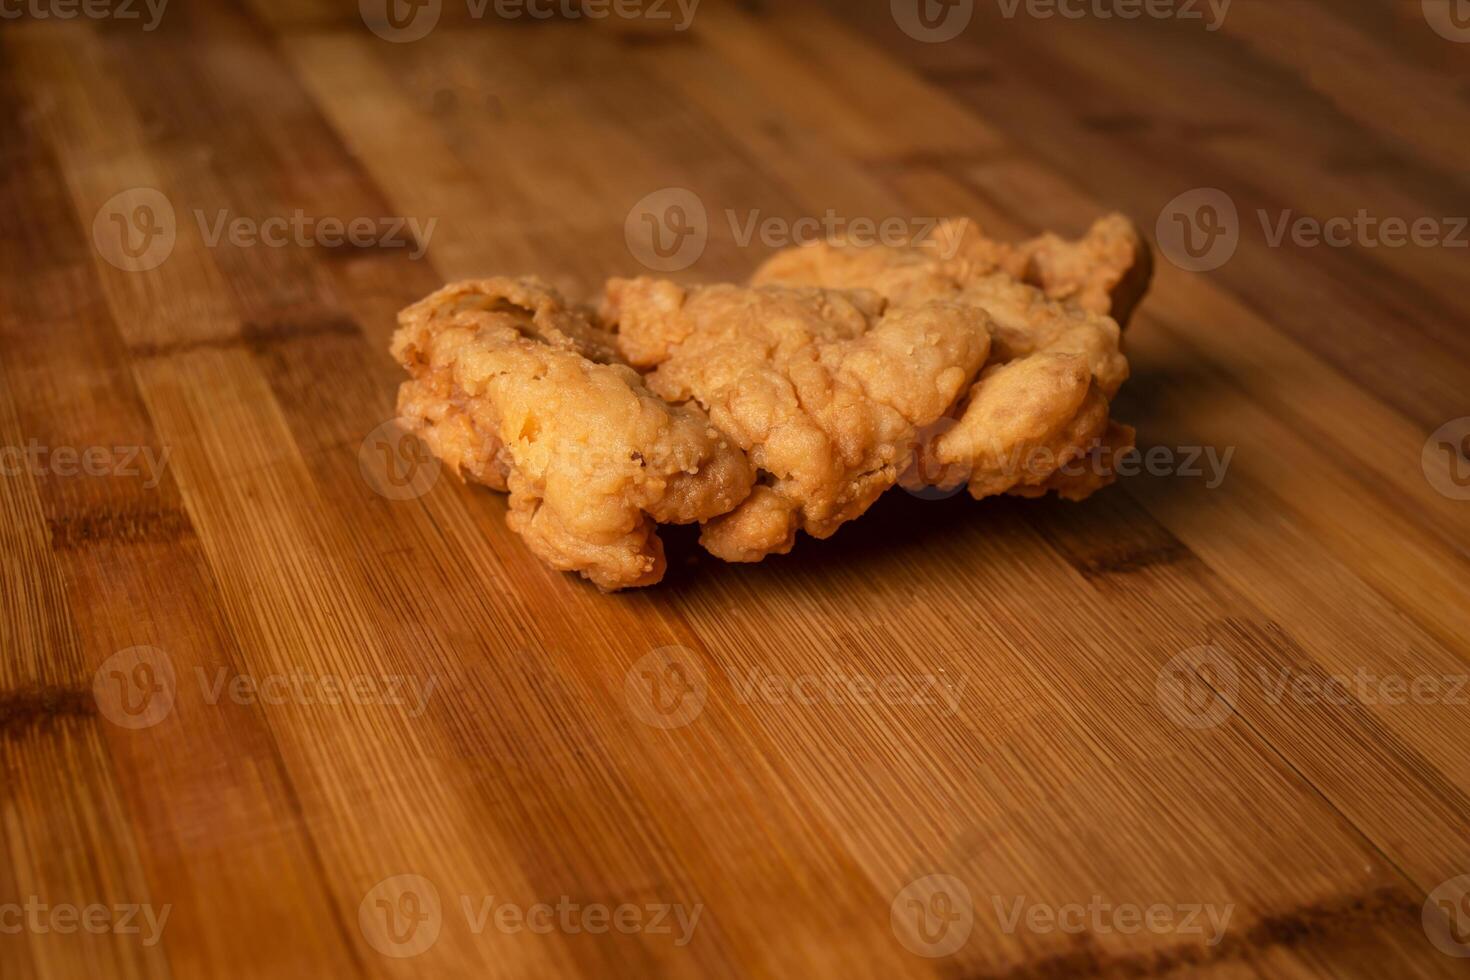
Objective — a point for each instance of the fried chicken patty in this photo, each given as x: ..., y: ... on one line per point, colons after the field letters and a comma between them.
x: 790, y: 404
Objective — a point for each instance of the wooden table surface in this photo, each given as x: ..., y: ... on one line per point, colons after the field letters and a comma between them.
x: 278, y: 698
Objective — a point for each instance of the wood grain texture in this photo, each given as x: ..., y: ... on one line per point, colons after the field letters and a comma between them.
x: 269, y: 710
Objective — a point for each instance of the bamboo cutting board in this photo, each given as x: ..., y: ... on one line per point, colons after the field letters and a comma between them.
x: 279, y: 698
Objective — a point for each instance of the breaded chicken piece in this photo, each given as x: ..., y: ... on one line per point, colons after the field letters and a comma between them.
x: 515, y: 390
x: 1042, y: 405
x: 825, y: 390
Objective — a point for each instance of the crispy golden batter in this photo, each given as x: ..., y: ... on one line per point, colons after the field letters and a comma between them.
x: 935, y: 268
x: 1040, y: 410
x: 517, y: 391
x: 824, y: 389
x: 1106, y: 272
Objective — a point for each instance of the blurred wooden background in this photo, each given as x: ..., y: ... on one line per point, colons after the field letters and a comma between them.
x: 1245, y: 699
